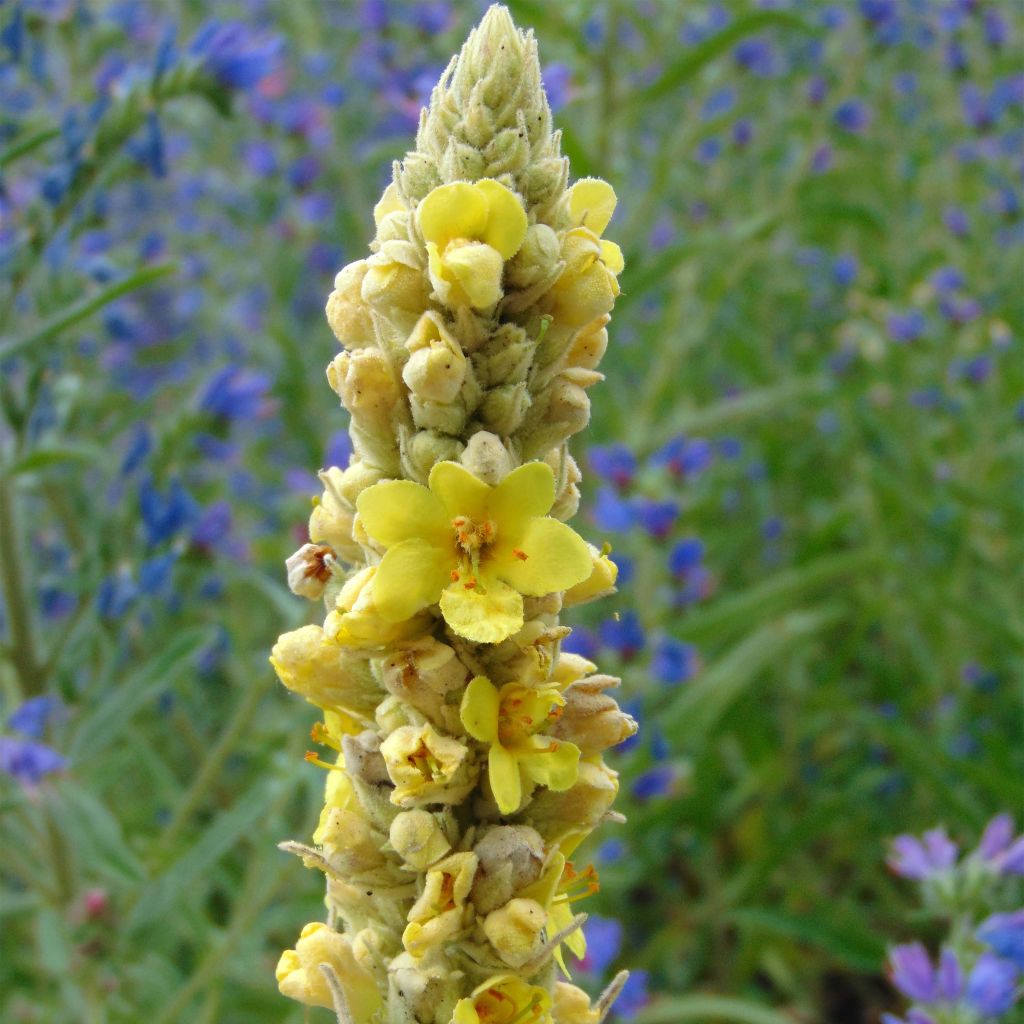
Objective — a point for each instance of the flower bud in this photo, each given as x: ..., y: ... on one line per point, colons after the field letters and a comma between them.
x: 567, y: 501
x: 427, y: 767
x: 308, y: 570
x: 487, y: 458
x: 421, y: 450
x: 516, y: 930
x: 348, y: 485
x: 600, y: 582
x: 575, y: 811
x: 425, y: 674
x: 299, y: 976
x: 436, y: 366
x: 330, y: 522
x: 366, y: 385
x: 587, y: 287
x: 350, y: 845
x: 310, y: 664
x: 418, y: 838
x: 572, y: 1006
x: 589, y: 344
x: 504, y: 408
x: 347, y: 312
x: 537, y: 259
x: 592, y: 719
x: 391, y: 286
x: 505, y: 358
x: 510, y: 858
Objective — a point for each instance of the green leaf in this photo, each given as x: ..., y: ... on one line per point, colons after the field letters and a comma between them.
x: 27, y: 145
x: 694, y: 60
x: 857, y: 948
x: 44, y: 458
x: 707, y: 1009
x: 719, y: 686
x: 85, y: 308
x: 224, y: 832
x: 114, y: 712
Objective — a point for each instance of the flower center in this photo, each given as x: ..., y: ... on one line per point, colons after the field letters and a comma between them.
x: 471, y: 541
x: 422, y: 759
x: 523, y: 713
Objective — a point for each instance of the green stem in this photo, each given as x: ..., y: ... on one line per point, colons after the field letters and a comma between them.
x: 16, y: 602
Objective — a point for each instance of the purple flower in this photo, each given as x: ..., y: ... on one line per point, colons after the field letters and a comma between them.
x: 164, y: 515
x: 654, y: 782
x: 614, y: 463
x: 685, y: 556
x: 912, y: 972
x: 956, y: 221
x: 817, y: 89
x: 558, y: 84
x: 921, y: 858
x: 844, y: 269
x: 235, y: 393
x: 757, y: 55
x: 908, y: 326
x: 673, y: 661
x: 624, y: 634
x: 991, y: 987
x: 852, y: 115
x: 31, y: 717
x: 683, y: 457
x: 996, y: 838
x: 821, y: 159
x: 116, y: 594
x: 583, y: 642
x: 947, y: 279
x: 742, y: 132
x: 234, y: 55
x: 28, y: 761
x: 213, y: 526
x: 604, y: 940
x: 1005, y: 934
x: 633, y: 997
x: 657, y: 517
x: 612, y: 512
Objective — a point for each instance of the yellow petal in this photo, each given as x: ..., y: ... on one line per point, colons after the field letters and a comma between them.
x: 465, y: 1013
x: 557, y: 768
x: 477, y: 268
x: 461, y: 493
x: 396, y: 510
x: 503, y: 772
x: 526, y: 492
x: 485, y: 615
x: 544, y: 889
x: 612, y: 256
x: 506, y: 218
x: 388, y: 203
x: 452, y: 211
x: 592, y: 203
x: 557, y: 558
x: 410, y: 576
x: 479, y: 710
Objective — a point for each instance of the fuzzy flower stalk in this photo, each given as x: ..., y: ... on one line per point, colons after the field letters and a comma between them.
x: 463, y: 747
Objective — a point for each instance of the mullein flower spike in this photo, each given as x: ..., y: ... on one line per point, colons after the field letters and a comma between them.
x: 464, y: 750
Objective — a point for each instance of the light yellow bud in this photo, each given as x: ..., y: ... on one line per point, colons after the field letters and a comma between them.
x: 426, y: 767
x: 567, y: 501
x: 487, y: 458
x: 538, y: 258
x: 338, y: 794
x: 354, y: 480
x: 423, y: 449
x: 516, y: 930
x: 418, y: 838
x: 572, y: 1006
x: 505, y: 358
x: 587, y: 287
x: 466, y: 273
x: 436, y: 367
x: 504, y: 408
x: 311, y: 664
x: 577, y: 810
x: 366, y: 385
x: 347, y: 312
x: 330, y: 522
x: 600, y: 582
x: 389, y: 285
x: 299, y: 976
x: 350, y: 844
x: 589, y: 345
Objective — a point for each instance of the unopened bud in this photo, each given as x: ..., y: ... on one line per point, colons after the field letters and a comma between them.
x: 516, y: 930
x: 347, y: 312
x: 418, y: 839
x: 487, y: 458
x: 309, y: 570
x: 436, y: 366
x: 537, y: 259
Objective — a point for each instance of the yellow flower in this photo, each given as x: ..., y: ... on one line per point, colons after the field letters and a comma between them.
x: 504, y: 999
x: 572, y: 1005
x: 477, y: 549
x: 588, y: 286
x: 470, y: 231
x: 299, y: 975
x: 426, y: 767
x: 510, y: 721
x: 437, y: 916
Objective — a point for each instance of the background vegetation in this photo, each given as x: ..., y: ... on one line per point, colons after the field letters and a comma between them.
x: 809, y: 455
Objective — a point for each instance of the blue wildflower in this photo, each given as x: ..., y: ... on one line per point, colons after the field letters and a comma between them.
x: 742, y: 132
x: 685, y: 556
x: 634, y: 996
x: 657, y: 517
x: 582, y: 641
x: 673, y: 661
x: 30, y: 718
x: 852, y: 115
x: 28, y: 761
x: 604, y: 941
x: 757, y: 55
x: 148, y: 146
x: 654, y: 782
x: 1004, y: 933
x: 164, y: 514
x: 614, y: 463
x: 624, y: 634
x: 844, y: 269
x: 612, y: 512
x: 684, y: 456
x: 908, y: 326
x: 117, y: 593
x: 932, y: 854
x: 235, y: 393
x: 155, y: 573
x: 234, y: 55
x: 610, y: 851
x: 213, y: 526
x: 557, y: 84
x: 992, y: 985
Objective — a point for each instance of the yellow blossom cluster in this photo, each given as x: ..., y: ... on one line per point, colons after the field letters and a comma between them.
x: 463, y: 746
